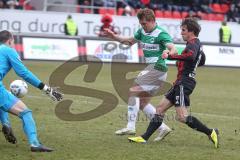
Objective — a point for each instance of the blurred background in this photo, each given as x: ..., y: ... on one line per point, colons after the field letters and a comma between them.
x: 61, y: 38
x: 79, y: 23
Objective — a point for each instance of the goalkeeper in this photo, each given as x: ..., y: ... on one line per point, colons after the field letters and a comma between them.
x: 9, y: 58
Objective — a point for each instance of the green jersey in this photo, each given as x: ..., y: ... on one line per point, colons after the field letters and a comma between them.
x: 153, y: 44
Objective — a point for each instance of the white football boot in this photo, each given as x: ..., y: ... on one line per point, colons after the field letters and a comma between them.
x: 125, y: 131
x: 163, y: 132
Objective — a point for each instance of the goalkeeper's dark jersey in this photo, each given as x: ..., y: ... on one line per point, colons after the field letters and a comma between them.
x: 188, y: 60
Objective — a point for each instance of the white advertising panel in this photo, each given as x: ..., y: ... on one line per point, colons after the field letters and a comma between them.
x: 89, y: 24
x: 49, y: 49
x: 217, y: 55
x: 222, y: 55
x: 105, y: 50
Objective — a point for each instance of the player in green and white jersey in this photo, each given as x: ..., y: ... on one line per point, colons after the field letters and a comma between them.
x: 153, y: 40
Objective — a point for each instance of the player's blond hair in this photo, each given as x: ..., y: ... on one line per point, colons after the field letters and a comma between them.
x: 147, y: 14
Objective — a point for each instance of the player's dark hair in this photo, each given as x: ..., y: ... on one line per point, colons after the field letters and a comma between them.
x: 192, y: 25
x: 5, y: 36
x: 147, y: 14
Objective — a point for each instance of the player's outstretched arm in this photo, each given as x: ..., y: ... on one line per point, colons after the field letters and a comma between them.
x: 52, y: 92
x: 172, y: 49
x: 28, y: 76
x: 125, y: 40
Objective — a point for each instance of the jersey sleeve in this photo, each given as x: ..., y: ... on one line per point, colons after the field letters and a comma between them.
x: 20, y: 68
x: 164, y: 38
x: 137, y: 35
x: 188, y: 54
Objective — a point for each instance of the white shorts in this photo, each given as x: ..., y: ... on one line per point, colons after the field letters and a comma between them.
x: 151, y: 80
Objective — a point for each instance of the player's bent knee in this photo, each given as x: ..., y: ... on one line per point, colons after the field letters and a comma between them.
x: 133, y: 100
x: 181, y: 118
x: 135, y: 90
x: 25, y: 111
x: 159, y: 111
x: 17, y: 108
x: 144, y: 101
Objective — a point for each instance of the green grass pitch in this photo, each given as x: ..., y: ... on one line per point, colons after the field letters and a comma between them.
x: 215, y: 101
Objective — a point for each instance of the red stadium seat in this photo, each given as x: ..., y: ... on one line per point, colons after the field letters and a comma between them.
x: 120, y: 11
x: 211, y: 17
x: 219, y: 17
x: 158, y: 13
x: 102, y: 11
x: 21, y: 2
x: 111, y: 11
x: 176, y: 15
x: 184, y: 14
x: 105, y: 11
x: 224, y: 8
x: 86, y: 10
x: 216, y: 8
x: 167, y: 14
x: 28, y: 7
x: 204, y: 16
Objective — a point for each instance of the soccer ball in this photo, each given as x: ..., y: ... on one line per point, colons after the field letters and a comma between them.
x: 19, y: 88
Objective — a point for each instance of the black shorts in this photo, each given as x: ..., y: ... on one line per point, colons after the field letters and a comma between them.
x: 180, y: 92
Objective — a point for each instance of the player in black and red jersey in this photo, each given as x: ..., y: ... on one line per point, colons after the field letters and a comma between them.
x: 178, y: 96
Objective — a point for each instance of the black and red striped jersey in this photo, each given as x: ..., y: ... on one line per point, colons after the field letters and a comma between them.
x: 188, y: 61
